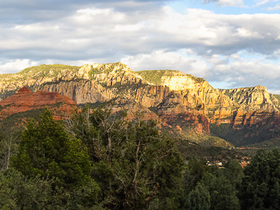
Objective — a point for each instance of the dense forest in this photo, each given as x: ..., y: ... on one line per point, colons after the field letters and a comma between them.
x: 96, y: 160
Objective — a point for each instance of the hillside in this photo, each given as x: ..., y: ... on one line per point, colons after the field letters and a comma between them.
x: 15, y: 109
x: 186, y: 105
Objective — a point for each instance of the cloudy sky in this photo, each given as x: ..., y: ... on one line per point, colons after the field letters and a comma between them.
x: 230, y: 43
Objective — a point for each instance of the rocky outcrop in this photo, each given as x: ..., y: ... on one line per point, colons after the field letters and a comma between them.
x: 254, y: 98
x: 169, y: 95
x: 26, y: 100
x: 80, y: 91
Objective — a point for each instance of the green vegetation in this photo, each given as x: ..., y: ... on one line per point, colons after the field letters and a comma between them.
x: 41, y: 71
x: 107, y: 68
x: 96, y: 160
x: 47, y: 150
x: 245, y: 135
x: 154, y: 76
x: 260, y: 187
x: 191, y: 150
x: 208, y: 140
x: 277, y: 96
x: 130, y: 159
x: 17, y: 121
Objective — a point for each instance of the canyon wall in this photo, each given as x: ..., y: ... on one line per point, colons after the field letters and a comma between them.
x: 172, y: 96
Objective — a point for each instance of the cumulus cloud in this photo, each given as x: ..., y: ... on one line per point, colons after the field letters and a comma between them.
x: 184, y: 60
x: 228, y: 50
x: 101, y: 31
x: 15, y: 65
x: 242, y: 69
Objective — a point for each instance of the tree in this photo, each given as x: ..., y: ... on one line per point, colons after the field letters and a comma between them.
x: 47, y: 150
x: 223, y: 193
x: 260, y: 186
x: 199, y: 198
x: 135, y: 166
x: 19, y: 192
x: 8, y: 148
x: 233, y: 172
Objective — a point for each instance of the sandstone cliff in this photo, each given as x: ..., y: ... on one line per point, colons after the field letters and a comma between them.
x: 253, y: 98
x: 182, y: 101
x: 26, y: 100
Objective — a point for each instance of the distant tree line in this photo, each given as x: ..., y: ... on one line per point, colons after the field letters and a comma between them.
x: 96, y: 160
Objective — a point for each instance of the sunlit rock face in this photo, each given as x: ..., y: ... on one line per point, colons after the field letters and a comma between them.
x: 159, y: 94
x: 26, y: 100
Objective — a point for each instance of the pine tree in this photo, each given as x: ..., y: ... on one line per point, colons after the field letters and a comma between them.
x: 47, y: 150
x: 260, y: 185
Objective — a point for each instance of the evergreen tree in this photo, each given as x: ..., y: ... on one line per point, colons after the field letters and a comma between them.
x: 19, y: 192
x: 47, y: 150
x: 8, y: 148
x: 135, y: 166
x: 233, y: 172
x: 260, y: 186
x: 223, y: 193
x: 199, y: 198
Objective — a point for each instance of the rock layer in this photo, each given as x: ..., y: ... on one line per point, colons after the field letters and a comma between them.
x: 26, y: 100
x: 165, y: 94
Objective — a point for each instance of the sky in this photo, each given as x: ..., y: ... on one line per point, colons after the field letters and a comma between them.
x: 230, y: 43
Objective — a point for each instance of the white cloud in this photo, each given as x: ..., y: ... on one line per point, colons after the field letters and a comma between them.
x: 234, y: 3
x: 16, y: 65
x: 244, y: 69
x: 184, y: 60
x: 231, y: 2
x: 263, y: 2
x: 237, y: 49
x: 276, y: 7
x: 110, y: 31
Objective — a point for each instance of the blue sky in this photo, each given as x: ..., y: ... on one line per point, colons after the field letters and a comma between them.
x: 230, y: 43
x: 229, y: 6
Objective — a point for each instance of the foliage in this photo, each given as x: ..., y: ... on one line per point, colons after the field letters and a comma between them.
x: 135, y: 166
x: 199, y: 198
x: 101, y: 160
x: 209, y: 187
x: 154, y: 76
x: 246, y: 134
x: 8, y: 148
x: 223, y: 193
x: 45, y: 70
x: 47, y: 150
x: 191, y: 150
x: 18, y: 192
x: 106, y: 69
x: 260, y: 186
x: 233, y: 172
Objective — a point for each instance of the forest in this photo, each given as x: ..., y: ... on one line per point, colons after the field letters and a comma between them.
x: 96, y: 160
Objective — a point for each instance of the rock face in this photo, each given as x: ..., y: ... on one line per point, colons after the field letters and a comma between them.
x: 182, y: 101
x: 26, y: 100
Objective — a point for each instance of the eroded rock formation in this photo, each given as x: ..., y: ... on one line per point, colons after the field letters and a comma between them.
x: 26, y: 100
x: 178, y: 99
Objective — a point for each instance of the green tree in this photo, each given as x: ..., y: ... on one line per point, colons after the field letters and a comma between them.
x: 260, y: 186
x: 223, y: 193
x: 47, y: 150
x: 234, y: 173
x: 199, y: 198
x: 8, y: 148
x: 19, y: 192
x: 135, y: 166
